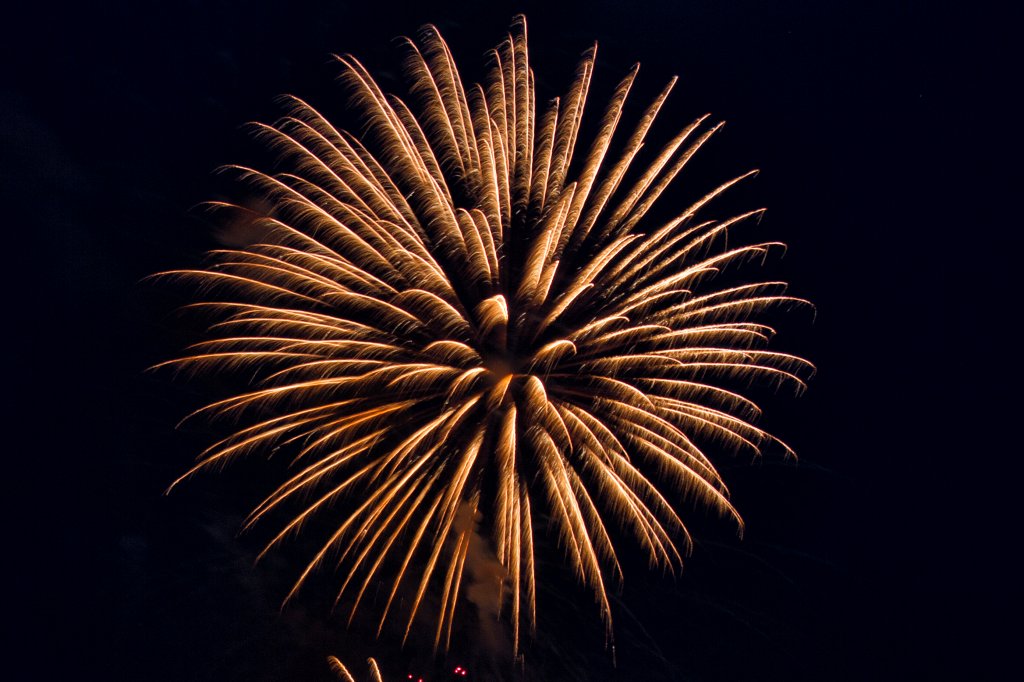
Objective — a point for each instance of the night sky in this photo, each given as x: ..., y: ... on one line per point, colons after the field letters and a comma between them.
x: 889, y: 551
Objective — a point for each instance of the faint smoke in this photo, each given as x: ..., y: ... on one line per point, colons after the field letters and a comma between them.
x: 246, y: 226
x: 485, y: 578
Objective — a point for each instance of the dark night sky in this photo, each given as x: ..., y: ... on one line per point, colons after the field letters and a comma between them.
x: 888, y: 552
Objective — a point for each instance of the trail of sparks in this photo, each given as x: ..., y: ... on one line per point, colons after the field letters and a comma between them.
x: 440, y: 320
x: 339, y: 669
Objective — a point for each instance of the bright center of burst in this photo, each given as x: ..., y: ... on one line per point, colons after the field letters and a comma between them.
x: 499, y: 366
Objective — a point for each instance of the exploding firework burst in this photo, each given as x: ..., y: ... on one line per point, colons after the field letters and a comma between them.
x: 467, y: 326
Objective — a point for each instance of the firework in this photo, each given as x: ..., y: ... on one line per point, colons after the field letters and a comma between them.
x: 466, y: 326
x: 339, y: 669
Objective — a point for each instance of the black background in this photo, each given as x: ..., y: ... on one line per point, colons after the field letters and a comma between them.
x: 881, y: 130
